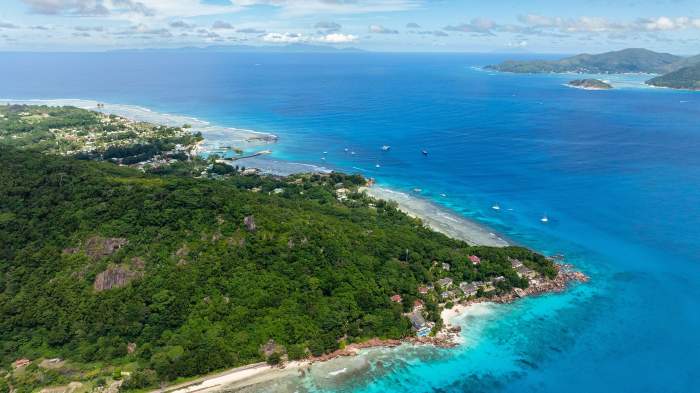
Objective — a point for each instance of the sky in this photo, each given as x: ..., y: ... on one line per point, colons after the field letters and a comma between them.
x: 537, y: 26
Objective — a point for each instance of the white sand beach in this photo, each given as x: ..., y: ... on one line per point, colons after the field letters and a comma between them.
x: 438, y: 218
x: 234, y: 378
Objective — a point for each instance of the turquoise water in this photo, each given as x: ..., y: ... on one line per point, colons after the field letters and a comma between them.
x: 617, y: 172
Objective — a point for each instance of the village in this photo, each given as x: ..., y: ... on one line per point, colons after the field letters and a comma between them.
x: 465, y: 293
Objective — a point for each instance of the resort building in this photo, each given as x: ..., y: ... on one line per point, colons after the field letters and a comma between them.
x: 474, y: 260
x: 469, y: 289
x: 396, y: 298
x: 445, y: 282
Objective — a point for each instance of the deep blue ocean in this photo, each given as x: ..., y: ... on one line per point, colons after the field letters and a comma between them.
x: 617, y: 173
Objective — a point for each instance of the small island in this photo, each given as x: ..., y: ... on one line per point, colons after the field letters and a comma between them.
x: 590, y: 84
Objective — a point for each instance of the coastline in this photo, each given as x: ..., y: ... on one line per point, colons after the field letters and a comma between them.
x: 439, y: 219
x: 434, y: 216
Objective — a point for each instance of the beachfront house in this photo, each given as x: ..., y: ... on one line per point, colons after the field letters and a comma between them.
x: 445, y: 282
x: 423, y: 290
x: 474, y: 260
x: 417, y: 320
x: 396, y: 298
x: 469, y: 289
x: 447, y: 295
x: 515, y: 263
x: 524, y: 271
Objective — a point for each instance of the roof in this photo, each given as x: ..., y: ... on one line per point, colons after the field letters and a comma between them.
x: 417, y: 319
x: 445, y: 281
x: 474, y: 259
x: 396, y: 298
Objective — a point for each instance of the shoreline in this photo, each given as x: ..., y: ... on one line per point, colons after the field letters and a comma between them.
x: 438, y: 218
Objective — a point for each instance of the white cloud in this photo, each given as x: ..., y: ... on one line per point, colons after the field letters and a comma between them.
x: 337, y: 38
x: 283, y: 38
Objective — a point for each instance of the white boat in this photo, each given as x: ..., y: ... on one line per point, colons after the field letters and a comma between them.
x: 443, y: 195
x: 386, y: 147
x: 377, y: 166
x: 544, y: 219
x: 346, y: 150
x: 417, y: 190
x: 496, y: 207
x: 352, y: 153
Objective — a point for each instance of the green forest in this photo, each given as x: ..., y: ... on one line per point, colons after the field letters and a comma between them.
x: 171, y: 276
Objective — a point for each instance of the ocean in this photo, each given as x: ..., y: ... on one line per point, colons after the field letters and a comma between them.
x: 616, y: 172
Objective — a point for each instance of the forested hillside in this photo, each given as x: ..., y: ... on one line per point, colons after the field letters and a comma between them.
x: 104, y: 265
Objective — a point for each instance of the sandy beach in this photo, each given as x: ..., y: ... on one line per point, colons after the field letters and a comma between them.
x: 439, y: 219
x: 235, y: 378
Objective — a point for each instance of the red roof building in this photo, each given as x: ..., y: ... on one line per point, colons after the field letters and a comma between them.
x: 21, y: 363
x: 475, y: 260
x: 396, y: 299
x: 417, y: 304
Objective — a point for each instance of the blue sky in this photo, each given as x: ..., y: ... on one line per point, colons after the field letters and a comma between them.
x: 544, y: 26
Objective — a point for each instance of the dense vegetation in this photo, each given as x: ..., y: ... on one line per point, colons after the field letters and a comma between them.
x: 167, y: 275
x: 590, y: 84
x: 685, y: 78
x: 617, y: 62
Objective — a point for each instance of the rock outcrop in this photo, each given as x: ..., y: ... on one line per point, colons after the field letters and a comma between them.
x: 98, y: 247
x: 115, y: 277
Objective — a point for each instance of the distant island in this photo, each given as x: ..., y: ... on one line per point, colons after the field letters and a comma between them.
x: 590, y: 84
x: 677, y: 72
x: 684, y: 78
x: 618, y: 62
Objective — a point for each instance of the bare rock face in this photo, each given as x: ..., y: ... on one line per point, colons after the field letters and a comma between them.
x: 98, y: 247
x: 115, y: 277
x: 249, y: 222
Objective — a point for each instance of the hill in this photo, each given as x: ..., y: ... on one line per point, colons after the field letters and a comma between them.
x: 110, y: 268
x: 685, y: 78
x: 618, y: 62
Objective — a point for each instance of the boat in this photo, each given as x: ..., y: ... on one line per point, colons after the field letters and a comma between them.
x: 544, y: 219
x: 496, y: 207
x: 346, y: 150
x: 377, y: 166
x: 417, y: 190
x: 386, y: 147
x: 352, y: 153
x: 443, y: 195
x: 425, y: 152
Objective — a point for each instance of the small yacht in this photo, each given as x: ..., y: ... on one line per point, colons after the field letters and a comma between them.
x: 323, y: 158
x: 325, y: 152
x: 377, y: 166
x: 417, y: 190
x: 386, y: 147
x: 443, y: 195
x: 352, y: 153
x: 496, y: 207
x: 544, y: 219
x: 425, y: 152
x: 346, y: 150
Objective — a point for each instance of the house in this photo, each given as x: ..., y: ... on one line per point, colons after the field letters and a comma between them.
x: 515, y: 263
x: 469, y: 289
x: 447, y: 295
x: 423, y: 290
x: 21, y: 363
x: 497, y: 280
x: 417, y: 304
x: 445, y: 282
x: 417, y: 320
x: 446, y: 266
x: 524, y: 271
x: 396, y: 298
x: 474, y: 259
